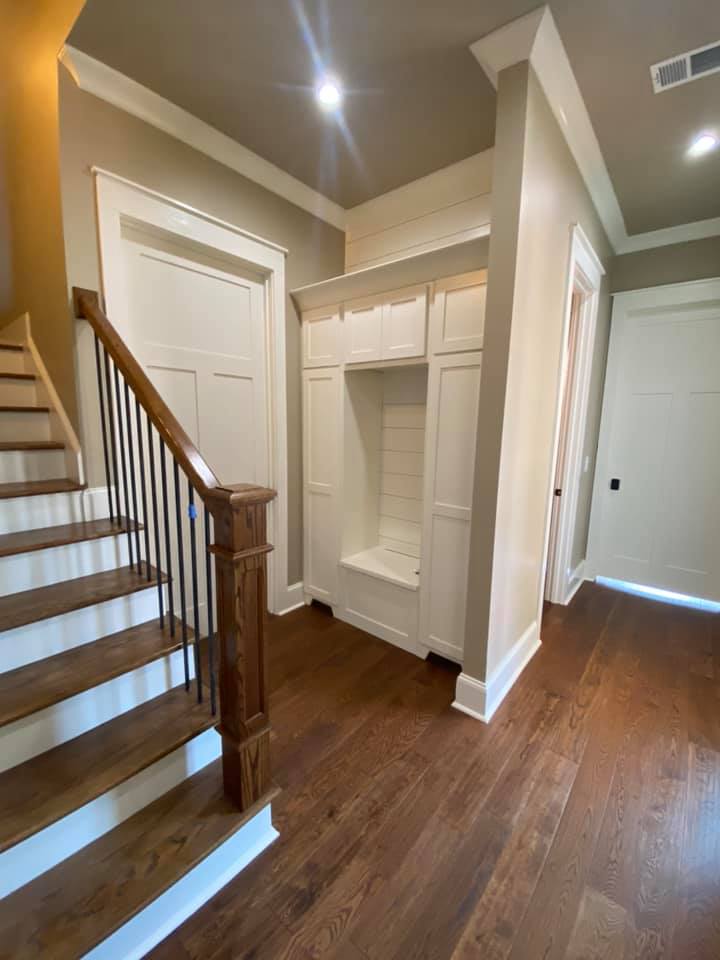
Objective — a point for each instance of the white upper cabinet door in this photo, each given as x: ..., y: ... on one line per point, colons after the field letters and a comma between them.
x: 404, y: 323
x: 322, y: 337
x: 362, y: 321
x: 457, y: 318
x: 453, y: 401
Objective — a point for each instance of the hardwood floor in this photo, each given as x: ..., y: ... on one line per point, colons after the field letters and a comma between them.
x: 582, y: 823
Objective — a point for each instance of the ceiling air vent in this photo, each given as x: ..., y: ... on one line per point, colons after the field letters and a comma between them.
x: 686, y: 67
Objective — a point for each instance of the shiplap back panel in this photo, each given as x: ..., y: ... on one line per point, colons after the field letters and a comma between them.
x: 402, y: 456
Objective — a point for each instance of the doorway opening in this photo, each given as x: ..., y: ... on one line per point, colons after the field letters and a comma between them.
x: 568, y: 512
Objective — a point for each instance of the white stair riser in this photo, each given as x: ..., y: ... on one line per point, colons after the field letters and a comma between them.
x: 16, y: 425
x: 40, y: 568
x: 70, y: 718
x: 42, y: 851
x: 138, y: 936
x: 18, y: 392
x: 17, y: 466
x: 13, y: 361
x: 35, y: 641
x: 31, y: 513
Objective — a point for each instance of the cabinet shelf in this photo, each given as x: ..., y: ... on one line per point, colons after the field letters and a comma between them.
x: 384, y: 564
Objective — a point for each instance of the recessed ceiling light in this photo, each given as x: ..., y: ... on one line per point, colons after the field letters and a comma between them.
x: 703, y: 144
x: 328, y: 93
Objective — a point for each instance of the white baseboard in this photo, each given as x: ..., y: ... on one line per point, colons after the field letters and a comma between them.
x: 146, y: 929
x: 479, y: 699
x: 45, y: 638
x: 577, y: 579
x: 48, y: 728
x: 291, y: 599
x: 43, y: 850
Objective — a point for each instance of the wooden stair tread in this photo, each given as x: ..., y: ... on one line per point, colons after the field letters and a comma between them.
x: 26, y: 541
x: 8, y: 445
x: 38, y: 488
x: 10, y: 375
x: 45, y: 682
x: 67, y: 911
x: 48, y: 787
x: 14, y: 347
x: 41, y: 603
x: 22, y: 408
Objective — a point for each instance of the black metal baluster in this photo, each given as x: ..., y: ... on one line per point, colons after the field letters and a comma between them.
x: 181, y: 572
x: 103, y: 424
x: 192, y: 514
x: 113, y: 437
x: 131, y: 459
x: 118, y: 410
x: 156, y: 526
x: 168, y: 553
x: 143, y: 490
x: 209, y: 600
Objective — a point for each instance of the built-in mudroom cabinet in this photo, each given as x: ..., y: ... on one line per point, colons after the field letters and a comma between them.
x: 391, y: 386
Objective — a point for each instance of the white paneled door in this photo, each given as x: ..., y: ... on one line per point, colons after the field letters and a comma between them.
x: 197, y: 325
x: 656, y: 513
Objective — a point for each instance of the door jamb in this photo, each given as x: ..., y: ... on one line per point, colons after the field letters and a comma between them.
x: 118, y: 199
x: 585, y: 273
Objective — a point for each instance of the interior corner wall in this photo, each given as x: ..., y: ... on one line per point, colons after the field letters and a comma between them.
x: 674, y: 263
x: 32, y: 265
x: 538, y: 194
x: 95, y: 133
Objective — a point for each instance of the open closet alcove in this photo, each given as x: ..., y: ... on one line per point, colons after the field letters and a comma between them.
x: 392, y: 359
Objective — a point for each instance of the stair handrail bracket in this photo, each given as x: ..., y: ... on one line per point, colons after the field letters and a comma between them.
x: 239, y: 547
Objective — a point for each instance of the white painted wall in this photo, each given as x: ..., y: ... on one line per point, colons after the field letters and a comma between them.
x: 449, y: 205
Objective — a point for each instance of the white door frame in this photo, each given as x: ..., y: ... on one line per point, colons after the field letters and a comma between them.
x: 119, y: 200
x: 585, y: 273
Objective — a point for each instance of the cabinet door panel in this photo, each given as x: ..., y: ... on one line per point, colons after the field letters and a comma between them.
x: 321, y: 443
x: 404, y: 324
x: 453, y: 399
x: 363, y: 332
x: 457, y: 320
x: 321, y: 337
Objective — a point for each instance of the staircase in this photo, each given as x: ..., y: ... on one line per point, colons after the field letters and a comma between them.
x: 132, y: 784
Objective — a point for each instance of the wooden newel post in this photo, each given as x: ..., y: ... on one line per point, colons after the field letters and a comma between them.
x: 240, y: 551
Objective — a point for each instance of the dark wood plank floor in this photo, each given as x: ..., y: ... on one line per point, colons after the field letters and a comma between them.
x: 582, y: 823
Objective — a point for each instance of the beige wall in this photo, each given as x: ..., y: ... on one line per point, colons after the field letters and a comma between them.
x: 538, y: 194
x: 676, y: 263
x: 95, y: 133
x: 32, y: 264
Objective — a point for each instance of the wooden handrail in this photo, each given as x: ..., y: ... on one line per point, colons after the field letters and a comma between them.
x: 240, y: 551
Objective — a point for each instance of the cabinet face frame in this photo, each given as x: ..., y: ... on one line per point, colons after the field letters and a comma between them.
x: 322, y: 337
x: 447, y: 311
x: 443, y: 577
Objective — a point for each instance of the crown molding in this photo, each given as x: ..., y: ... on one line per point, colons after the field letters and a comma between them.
x: 534, y: 37
x: 114, y: 87
x: 683, y: 233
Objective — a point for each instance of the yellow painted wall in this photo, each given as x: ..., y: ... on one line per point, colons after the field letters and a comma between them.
x: 32, y: 253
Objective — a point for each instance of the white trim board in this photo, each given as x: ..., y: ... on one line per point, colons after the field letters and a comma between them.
x: 119, y: 200
x: 480, y: 699
x: 535, y: 37
x: 114, y: 87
